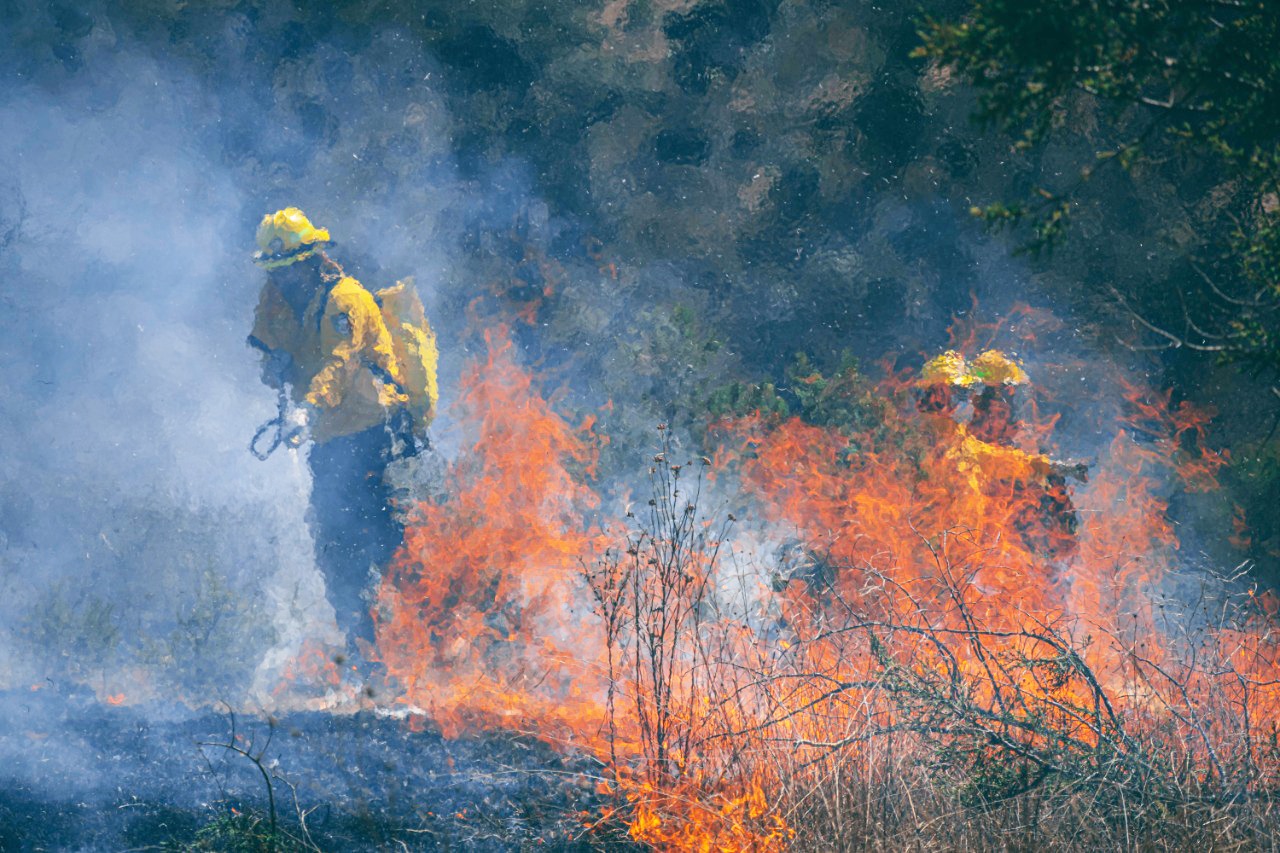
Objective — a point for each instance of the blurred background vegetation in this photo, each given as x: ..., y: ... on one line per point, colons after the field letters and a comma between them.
x: 692, y: 203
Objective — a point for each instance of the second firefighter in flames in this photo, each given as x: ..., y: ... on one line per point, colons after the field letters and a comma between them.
x: 983, y: 450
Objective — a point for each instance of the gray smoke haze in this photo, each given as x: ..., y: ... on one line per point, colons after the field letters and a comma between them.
x: 144, y: 550
x: 128, y: 493
x: 134, y: 181
x: 666, y: 231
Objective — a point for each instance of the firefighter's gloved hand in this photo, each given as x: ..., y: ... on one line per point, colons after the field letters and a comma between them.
x: 405, y: 440
x: 275, y: 367
x: 297, y: 426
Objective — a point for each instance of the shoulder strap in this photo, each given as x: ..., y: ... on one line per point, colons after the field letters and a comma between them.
x: 331, y: 273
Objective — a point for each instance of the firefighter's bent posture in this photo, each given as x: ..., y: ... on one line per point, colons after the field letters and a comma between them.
x: 323, y: 337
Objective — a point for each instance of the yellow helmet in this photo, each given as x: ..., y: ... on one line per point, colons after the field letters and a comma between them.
x: 286, y: 237
x: 946, y: 369
x: 995, y: 368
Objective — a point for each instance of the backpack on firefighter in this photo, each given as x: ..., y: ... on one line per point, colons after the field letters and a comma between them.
x: 416, y: 352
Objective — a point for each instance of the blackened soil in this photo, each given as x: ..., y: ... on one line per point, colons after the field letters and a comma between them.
x: 77, y: 775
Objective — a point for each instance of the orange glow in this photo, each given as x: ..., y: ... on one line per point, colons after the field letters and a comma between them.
x: 479, y: 618
x: 941, y: 565
x: 311, y: 667
x: 967, y: 563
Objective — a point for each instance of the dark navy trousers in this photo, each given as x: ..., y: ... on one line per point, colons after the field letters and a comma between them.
x: 352, y: 522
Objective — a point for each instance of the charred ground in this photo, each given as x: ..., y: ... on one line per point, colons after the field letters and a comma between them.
x: 155, y: 778
x: 676, y: 207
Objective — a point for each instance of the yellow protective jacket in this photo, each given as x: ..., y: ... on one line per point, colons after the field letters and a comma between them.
x: 341, y: 356
x: 983, y: 463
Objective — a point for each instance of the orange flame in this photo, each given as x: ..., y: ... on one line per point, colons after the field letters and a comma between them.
x: 918, y: 530
x: 927, y: 534
x: 478, y: 617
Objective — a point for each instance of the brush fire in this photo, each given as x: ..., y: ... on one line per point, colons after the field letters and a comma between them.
x: 888, y: 611
x: 916, y: 596
x: 898, y: 604
x: 707, y: 425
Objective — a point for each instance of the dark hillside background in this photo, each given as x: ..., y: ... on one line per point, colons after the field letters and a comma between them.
x: 663, y: 197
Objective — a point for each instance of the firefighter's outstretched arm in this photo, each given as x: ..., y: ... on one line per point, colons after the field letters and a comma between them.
x: 353, y: 334
x: 290, y: 424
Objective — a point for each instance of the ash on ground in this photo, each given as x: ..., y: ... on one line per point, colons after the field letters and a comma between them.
x: 77, y: 775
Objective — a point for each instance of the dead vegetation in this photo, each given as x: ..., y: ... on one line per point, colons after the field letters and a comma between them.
x: 888, y: 710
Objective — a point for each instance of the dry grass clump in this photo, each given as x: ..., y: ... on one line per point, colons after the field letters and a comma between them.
x: 895, y: 710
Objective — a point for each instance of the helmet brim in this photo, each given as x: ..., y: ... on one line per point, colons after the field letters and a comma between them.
x: 270, y: 260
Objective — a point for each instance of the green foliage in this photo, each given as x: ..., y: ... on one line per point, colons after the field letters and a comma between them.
x: 670, y: 355
x: 843, y: 399
x: 212, y: 623
x: 1187, y: 89
x: 86, y: 636
x: 1252, y: 480
x: 745, y: 398
x: 1206, y: 70
x: 76, y: 629
x: 242, y: 832
x: 989, y: 777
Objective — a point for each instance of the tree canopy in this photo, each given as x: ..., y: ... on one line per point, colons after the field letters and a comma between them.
x: 1186, y: 89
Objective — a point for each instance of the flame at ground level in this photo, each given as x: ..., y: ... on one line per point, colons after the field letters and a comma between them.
x: 957, y: 593
x: 481, y: 619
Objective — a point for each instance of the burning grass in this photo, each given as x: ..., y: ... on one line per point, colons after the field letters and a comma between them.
x: 968, y: 646
x: 480, y: 616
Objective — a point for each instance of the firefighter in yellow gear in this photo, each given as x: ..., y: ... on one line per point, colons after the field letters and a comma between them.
x: 983, y: 450
x: 982, y: 447
x: 324, y: 343
x: 995, y: 415
x: 995, y: 423
x: 944, y: 381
